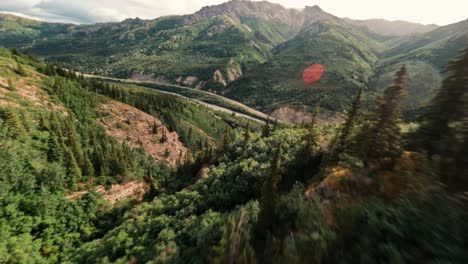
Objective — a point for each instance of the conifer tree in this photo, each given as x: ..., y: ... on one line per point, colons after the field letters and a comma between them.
x: 163, y: 136
x: 12, y: 121
x: 54, y: 149
x: 42, y: 123
x: 155, y: 128
x: 88, y: 168
x: 11, y: 85
x: 381, y: 135
x: 247, y: 133
x: 226, y: 137
x: 73, y: 170
x: 268, y: 201
x: 72, y: 142
x: 266, y: 129
x: 235, y: 245
x: 20, y: 70
x: 55, y: 127
x: 444, y: 130
x: 350, y: 123
x: 275, y: 125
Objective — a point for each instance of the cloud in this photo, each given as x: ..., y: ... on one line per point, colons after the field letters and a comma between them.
x: 92, y: 11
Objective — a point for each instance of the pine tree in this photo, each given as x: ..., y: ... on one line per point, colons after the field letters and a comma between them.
x: 247, y: 133
x: 88, y: 168
x: 268, y: 201
x: 42, y: 123
x: 235, y: 245
x: 11, y: 85
x: 349, y: 125
x: 73, y: 170
x: 54, y: 149
x: 275, y: 125
x: 20, y: 70
x: 381, y: 135
x: 13, y: 123
x: 155, y: 128
x: 73, y: 143
x: 266, y: 129
x: 163, y: 136
x: 226, y: 137
x: 444, y: 130
x: 55, y: 127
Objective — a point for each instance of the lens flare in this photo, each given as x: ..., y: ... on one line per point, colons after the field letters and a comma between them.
x: 313, y: 73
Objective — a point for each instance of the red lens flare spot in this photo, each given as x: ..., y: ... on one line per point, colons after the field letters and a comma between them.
x: 312, y: 73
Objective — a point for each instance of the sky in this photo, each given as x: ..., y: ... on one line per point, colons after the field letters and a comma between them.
x: 441, y: 12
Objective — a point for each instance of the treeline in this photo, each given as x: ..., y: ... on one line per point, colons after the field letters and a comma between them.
x: 196, y: 125
x: 47, y: 154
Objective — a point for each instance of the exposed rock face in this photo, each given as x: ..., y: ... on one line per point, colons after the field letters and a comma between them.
x: 133, y: 189
x: 128, y: 124
x: 219, y: 78
x: 146, y: 77
x: 303, y: 117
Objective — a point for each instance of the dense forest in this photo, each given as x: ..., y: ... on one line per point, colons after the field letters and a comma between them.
x: 371, y: 190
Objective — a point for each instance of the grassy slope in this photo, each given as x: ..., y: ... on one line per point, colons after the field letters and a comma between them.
x: 346, y: 54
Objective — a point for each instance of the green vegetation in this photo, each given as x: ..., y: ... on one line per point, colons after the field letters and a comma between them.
x: 365, y: 191
x: 239, y: 49
x: 347, y: 55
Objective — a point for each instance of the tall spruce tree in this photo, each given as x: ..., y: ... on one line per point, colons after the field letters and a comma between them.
x: 268, y: 201
x: 349, y: 125
x: 444, y: 131
x: 13, y: 123
x: 54, y: 149
x: 247, y: 132
x: 226, y: 137
x: 380, y: 136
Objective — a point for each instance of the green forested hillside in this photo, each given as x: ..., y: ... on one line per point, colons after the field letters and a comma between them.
x: 253, y: 52
x: 427, y: 55
x: 275, y: 195
x: 347, y: 55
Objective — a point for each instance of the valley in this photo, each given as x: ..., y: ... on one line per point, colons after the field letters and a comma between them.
x: 245, y: 132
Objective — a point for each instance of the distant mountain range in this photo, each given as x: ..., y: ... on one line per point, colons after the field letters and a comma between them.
x: 254, y: 52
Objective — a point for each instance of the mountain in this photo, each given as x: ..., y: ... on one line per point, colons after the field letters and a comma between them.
x: 252, y: 51
x: 18, y: 31
x: 425, y: 55
x: 387, y: 28
x: 346, y: 53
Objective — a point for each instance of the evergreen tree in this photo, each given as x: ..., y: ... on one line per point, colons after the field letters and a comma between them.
x: 163, y: 136
x: 226, y: 137
x: 349, y: 125
x: 13, y: 123
x: 247, y: 133
x: 266, y: 129
x: 381, y: 135
x: 72, y: 142
x: 20, y: 70
x: 155, y: 128
x: 444, y: 130
x: 42, y: 123
x: 11, y: 85
x: 73, y: 170
x: 88, y: 168
x: 268, y: 201
x: 312, y: 138
x: 54, y: 149
x: 235, y: 245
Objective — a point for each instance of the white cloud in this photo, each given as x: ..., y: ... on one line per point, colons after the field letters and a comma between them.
x: 91, y: 11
